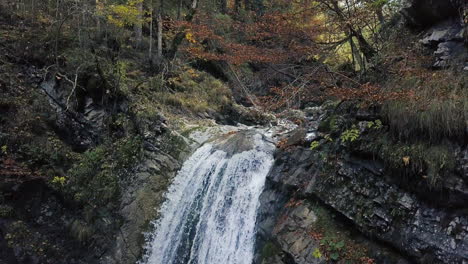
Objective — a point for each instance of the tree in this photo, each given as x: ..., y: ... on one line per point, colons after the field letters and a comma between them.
x: 160, y: 29
x: 138, y: 25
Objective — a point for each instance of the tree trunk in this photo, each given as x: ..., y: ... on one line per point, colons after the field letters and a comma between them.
x: 380, y: 15
x: 351, y: 44
x: 181, y: 35
x: 465, y: 22
x: 160, y: 30
x: 57, y: 7
x: 364, y: 46
x: 179, y: 9
x: 33, y: 11
x: 357, y: 56
x: 237, y: 6
x: 248, y: 5
x: 367, y: 50
x: 150, y: 49
x: 139, y: 25
x: 96, y: 14
x: 223, y: 6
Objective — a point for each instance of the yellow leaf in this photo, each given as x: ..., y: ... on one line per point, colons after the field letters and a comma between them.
x: 406, y: 160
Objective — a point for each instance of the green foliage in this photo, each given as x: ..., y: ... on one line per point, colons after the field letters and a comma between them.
x: 317, y: 254
x: 126, y: 152
x: 19, y: 231
x: 337, y: 242
x: 4, y: 149
x: 334, y: 247
x: 187, y: 91
x: 174, y: 144
x: 22, y: 237
x: 377, y: 124
x: 332, y: 124
x: 350, y: 135
x: 314, y: 145
x: 95, y: 179
x: 379, y: 3
x: 328, y: 138
x: 223, y: 24
x: 126, y: 14
x: 59, y: 180
x: 89, y: 182
x: 46, y: 154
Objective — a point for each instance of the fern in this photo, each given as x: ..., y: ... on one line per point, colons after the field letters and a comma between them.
x: 350, y: 135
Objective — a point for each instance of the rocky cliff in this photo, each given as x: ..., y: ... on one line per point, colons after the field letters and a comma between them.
x: 346, y: 189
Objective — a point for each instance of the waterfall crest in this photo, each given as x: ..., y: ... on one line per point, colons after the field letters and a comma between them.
x: 210, y: 213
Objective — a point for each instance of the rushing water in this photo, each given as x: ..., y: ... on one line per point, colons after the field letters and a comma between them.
x: 210, y: 212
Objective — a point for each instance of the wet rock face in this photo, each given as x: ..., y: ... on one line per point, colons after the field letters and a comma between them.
x: 422, y: 228
x: 293, y: 235
x: 143, y: 194
x: 383, y: 210
x: 76, y: 129
x: 164, y: 153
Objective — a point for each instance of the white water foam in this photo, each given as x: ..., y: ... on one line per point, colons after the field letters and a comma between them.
x: 210, y: 213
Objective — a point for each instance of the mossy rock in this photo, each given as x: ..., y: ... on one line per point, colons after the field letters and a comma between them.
x: 332, y: 124
x: 269, y: 250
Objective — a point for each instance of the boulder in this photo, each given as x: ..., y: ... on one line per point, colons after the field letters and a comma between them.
x: 424, y: 13
x: 446, y: 40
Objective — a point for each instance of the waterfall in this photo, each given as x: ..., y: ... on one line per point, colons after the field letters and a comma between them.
x: 209, y: 215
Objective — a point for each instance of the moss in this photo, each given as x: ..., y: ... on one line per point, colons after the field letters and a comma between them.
x: 173, y: 144
x: 331, y: 124
x: 197, y: 91
x: 336, y: 241
x: 95, y: 178
x: 6, y: 211
x: 331, y: 105
x: 94, y: 182
x: 269, y: 250
x: 422, y: 160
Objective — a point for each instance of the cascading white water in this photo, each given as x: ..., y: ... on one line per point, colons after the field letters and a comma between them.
x: 210, y: 212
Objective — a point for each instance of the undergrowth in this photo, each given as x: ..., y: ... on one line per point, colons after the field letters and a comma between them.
x: 438, y: 110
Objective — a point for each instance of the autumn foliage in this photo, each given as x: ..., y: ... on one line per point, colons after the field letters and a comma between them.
x: 271, y: 38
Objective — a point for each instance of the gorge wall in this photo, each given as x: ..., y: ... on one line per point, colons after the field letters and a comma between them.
x: 347, y: 202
